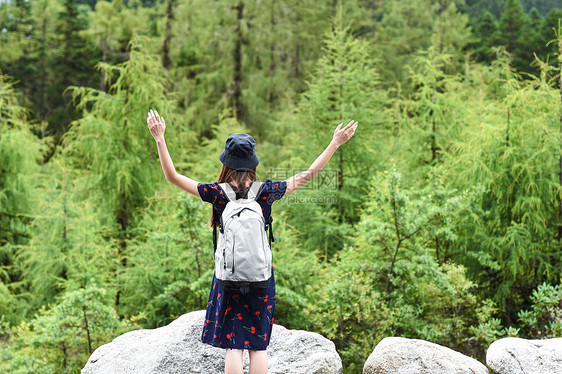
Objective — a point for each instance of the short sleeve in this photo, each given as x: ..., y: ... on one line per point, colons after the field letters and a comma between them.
x: 273, y: 190
x: 208, y: 191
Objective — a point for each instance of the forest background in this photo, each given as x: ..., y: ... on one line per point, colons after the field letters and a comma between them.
x: 440, y: 220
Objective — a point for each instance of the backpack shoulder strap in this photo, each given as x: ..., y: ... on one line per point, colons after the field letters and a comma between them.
x: 254, y: 190
x: 228, y: 191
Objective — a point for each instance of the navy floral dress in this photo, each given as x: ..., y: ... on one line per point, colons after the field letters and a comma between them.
x: 234, y: 320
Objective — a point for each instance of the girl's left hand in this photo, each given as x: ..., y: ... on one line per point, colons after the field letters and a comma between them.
x: 342, y: 135
x: 156, y: 125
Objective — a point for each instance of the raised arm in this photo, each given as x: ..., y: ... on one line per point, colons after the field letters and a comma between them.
x: 157, y: 126
x: 341, y: 135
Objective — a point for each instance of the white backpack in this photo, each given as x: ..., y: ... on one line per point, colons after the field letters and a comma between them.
x: 243, y: 253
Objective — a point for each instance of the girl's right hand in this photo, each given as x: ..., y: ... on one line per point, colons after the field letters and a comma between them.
x: 156, y: 125
x: 342, y: 135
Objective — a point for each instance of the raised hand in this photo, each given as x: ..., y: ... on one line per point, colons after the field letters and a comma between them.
x: 156, y: 125
x: 342, y: 135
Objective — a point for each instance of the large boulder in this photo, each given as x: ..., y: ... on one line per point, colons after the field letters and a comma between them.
x: 521, y: 356
x: 413, y: 356
x: 177, y: 349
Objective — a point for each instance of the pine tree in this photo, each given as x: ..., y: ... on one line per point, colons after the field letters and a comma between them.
x: 549, y: 25
x: 484, y: 28
x: 407, y: 27
x: 109, y: 30
x: 345, y: 86
x: 74, y: 66
x: 515, y: 34
x: 19, y: 153
x: 513, y: 245
x: 111, y: 141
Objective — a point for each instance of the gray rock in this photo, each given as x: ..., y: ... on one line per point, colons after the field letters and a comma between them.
x: 413, y: 356
x: 177, y: 349
x: 521, y: 356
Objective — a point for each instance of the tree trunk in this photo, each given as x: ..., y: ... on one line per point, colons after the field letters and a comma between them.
x: 87, y: 330
x: 237, y: 55
x: 168, y: 39
x: 296, y: 61
x: 272, y: 56
x: 104, y: 59
x: 340, y: 184
x: 433, y: 126
x: 560, y: 82
x: 43, y: 84
x: 509, y: 215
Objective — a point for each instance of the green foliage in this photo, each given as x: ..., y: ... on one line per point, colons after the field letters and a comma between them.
x: 65, y: 335
x: 489, y: 329
x: 171, y: 261
x: 336, y: 93
x: 396, y: 279
x: 458, y: 243
x: 544, y: 319
x: 516, y: 33
x: 484, y: 27
x: 19, y: 151
x: 514, y: 155
x: 70, y: 242
x: 407, y: 27
x: 14, y: 362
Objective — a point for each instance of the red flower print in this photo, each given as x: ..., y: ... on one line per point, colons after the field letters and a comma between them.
x: 239, y: 316
x: 235, y: 296
x: 228, y: 336
x: 246, y: 305
x: 218, y: 297
x: 257, y: 313
x: 246, y: 342
x: 205, y: 189
x: 272, y: 319
x: 253, y: 330
x: 204, y: 333
x: 269, y: 306
x: 228, y: 310
x: 215, y: 336
x: 265, y: 338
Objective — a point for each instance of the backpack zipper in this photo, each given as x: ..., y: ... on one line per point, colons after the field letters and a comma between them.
x: 233, y: 246
x: 264, y: 251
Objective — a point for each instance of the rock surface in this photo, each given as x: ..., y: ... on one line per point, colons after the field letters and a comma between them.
x: 177, y: 349
x: 521, y: 356
x: 413, y: 356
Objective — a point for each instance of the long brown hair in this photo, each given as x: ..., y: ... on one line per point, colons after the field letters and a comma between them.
x: 236, y: 178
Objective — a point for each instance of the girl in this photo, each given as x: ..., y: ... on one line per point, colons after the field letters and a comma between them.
x: 233, y: 321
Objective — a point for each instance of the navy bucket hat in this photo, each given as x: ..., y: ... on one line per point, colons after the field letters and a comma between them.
x: 239, y: 153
